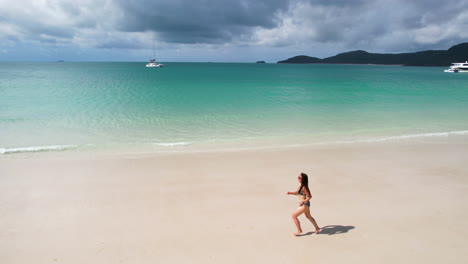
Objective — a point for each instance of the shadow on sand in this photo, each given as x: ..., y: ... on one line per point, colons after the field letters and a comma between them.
x: 331, y: 230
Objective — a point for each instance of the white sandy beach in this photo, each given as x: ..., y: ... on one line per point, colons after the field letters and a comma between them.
x: 378, y: 203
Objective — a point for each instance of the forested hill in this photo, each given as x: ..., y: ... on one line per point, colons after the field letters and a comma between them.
x: 457, y: 53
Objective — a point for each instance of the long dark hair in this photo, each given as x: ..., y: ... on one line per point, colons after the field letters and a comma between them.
x: 304, y: 183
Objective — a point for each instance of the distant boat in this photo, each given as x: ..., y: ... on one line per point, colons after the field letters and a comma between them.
x: 152, y: 63
x: 458, y: 67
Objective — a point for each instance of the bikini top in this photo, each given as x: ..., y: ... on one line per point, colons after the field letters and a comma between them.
x: 301, y: 192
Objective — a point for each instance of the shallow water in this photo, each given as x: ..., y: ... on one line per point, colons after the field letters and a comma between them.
x: 122, y: 106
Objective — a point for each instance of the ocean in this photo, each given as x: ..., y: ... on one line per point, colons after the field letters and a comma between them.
x: 126, y: 107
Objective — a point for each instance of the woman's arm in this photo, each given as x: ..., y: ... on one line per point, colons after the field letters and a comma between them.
x: 308, y: 196
x: 295, y: 193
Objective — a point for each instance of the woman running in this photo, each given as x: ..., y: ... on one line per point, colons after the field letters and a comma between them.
x: 304, y: 204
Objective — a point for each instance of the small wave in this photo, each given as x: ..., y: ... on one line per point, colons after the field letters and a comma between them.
x: 357, y: 141
x: 172, y: 144
x: 409, y: 136
x: 36, y: 149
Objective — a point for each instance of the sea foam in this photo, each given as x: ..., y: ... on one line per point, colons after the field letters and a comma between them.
x: 409, y: 136
x: 172, y: 144
x: 36, y: 149
x: 183, y: 143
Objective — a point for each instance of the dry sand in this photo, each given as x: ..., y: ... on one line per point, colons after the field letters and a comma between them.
x: 378, y: 203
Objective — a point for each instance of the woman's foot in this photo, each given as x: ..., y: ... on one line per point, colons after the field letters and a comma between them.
x: 317, y: 230
x: 298, y: 233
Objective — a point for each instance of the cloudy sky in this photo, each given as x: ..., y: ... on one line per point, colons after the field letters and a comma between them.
x: 223, y: 30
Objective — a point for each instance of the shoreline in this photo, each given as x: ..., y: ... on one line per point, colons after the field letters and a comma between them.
x: 194, y: 147
x: 379, y: 202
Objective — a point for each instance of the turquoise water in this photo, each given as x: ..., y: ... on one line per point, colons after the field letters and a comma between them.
x: 123, y: 106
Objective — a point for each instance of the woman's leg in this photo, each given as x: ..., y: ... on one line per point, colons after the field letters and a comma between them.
x: 311, y: 219
x: 297, y: 213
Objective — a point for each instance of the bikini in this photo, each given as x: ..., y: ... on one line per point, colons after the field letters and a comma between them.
x: 301, y: 193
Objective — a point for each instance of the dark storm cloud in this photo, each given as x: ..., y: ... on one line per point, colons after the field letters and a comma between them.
x: 206, y: 21
x: 121, y: 44
x: 347, y: 22
x: 341, y: 3
x: 374, y: 25
x: 392, y: 24
x: 47, y: 22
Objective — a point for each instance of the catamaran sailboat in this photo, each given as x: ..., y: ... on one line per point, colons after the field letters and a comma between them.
x: 152, y: 62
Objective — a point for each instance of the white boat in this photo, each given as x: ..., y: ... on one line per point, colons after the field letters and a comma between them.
x: 458, y: 67
x: 153, y: 63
